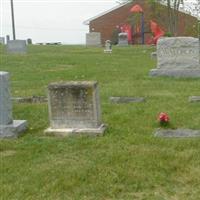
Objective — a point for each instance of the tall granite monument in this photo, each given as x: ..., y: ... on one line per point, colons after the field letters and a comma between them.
x: 8, y: 126
x: 177, y: 57
x: 74, y: 107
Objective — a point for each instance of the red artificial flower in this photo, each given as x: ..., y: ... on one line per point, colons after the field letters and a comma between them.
x: 163, y: 117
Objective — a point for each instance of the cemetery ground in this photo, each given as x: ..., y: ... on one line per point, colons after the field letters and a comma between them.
x: 128, y: 162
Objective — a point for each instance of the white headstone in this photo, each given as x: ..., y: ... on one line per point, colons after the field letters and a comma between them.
x: 93, y: 39
x: 17, y: 46
x: 8, y: 126
x: 122, y: 39
x: 74, y: 107
x: 108, y: 47
x: 177, y: 56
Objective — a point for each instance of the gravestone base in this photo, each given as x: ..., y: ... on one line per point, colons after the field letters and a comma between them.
x: 193, y: 73
x: 177, y: 133
x: 194, y: 99
x: 126, y: 99
x: 75, y: 131
x: 107, y: 51
x: 14, y: 129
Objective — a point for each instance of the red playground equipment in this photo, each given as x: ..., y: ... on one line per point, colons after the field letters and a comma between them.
x: 135, y: 30
x: 157, y: 32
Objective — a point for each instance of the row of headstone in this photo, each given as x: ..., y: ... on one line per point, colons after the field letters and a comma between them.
x: 17, y: 46
x: 74, y: 107
x: 94, y: 39
x: 3, y: 41
x: 177, y: 57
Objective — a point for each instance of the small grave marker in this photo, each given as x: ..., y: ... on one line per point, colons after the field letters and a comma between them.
x: 108, y: 47
x: 122, y: 39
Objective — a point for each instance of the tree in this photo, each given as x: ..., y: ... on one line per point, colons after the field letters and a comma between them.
x: 173, y: 14
x: 173, y: 6
x: 194, y: 9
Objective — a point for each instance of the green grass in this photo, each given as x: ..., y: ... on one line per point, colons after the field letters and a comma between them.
x: 128, y: 162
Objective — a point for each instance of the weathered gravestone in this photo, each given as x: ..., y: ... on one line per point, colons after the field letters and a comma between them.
x: 74, y: 107
x: 29, y: 41
x: 93, y: 39
x: 177, y: 57
x: 7, y: 38
x: 122, y: 39
x: 108, y: 47
x: 8, y: 126
x: 2, y: 40
x: 17, y: 46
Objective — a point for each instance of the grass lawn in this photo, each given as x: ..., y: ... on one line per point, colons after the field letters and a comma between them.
x: 128, y: 162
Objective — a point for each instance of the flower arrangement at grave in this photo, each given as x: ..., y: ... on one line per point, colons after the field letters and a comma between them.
x: 163, y: 118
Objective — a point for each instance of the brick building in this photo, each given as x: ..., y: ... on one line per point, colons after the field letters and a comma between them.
x: 107, y: 23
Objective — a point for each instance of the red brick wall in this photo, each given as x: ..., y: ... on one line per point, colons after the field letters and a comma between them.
x: 107, y: 23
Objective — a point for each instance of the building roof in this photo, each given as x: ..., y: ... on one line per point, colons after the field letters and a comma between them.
x: 87, y: 22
